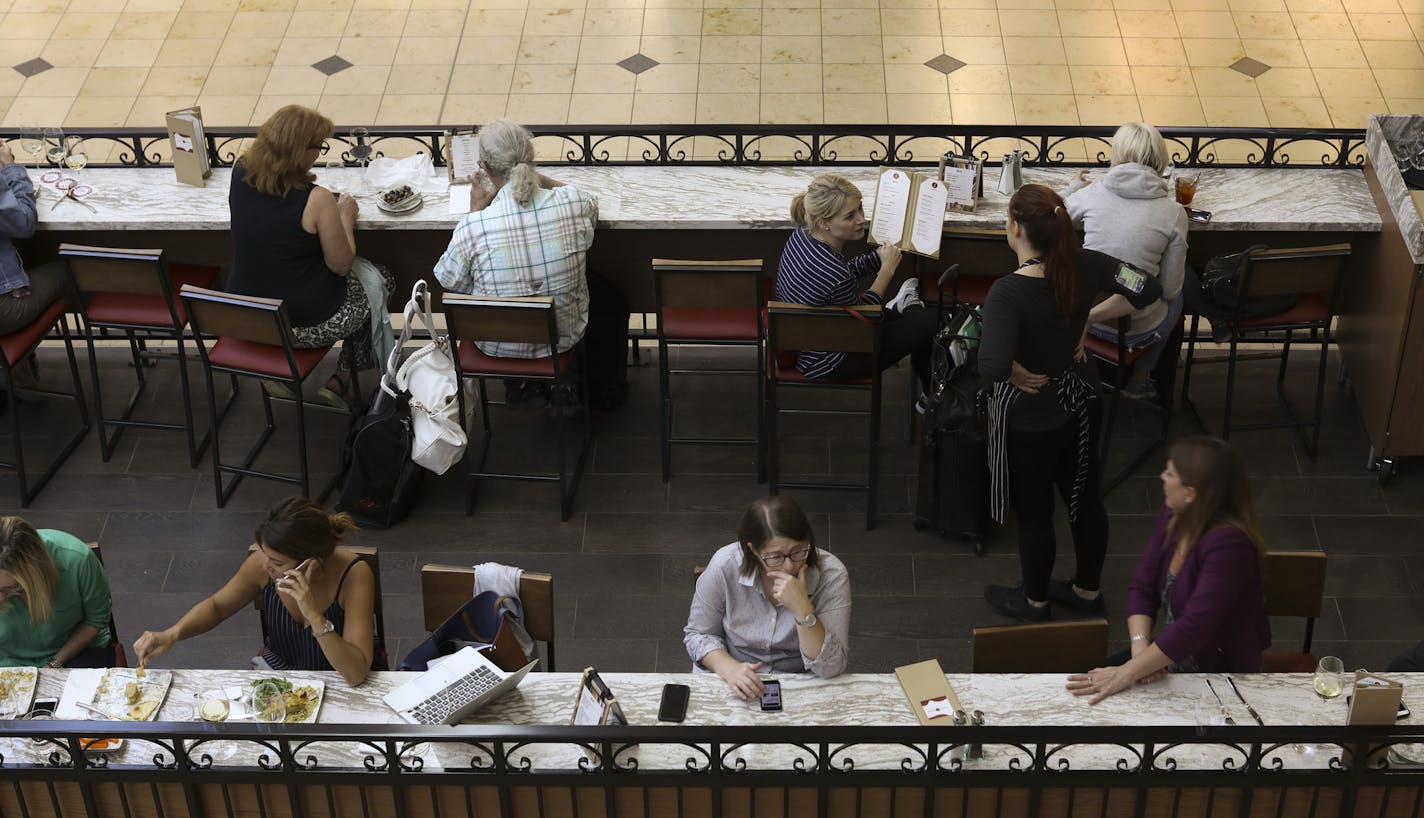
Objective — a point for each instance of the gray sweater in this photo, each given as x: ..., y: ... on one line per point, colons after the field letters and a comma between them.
x: 1132, y: 215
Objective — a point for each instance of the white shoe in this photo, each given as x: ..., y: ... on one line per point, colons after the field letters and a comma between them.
x: 908, y: 296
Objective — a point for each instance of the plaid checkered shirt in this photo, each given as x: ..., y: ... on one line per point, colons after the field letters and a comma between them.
x: 540, y: 250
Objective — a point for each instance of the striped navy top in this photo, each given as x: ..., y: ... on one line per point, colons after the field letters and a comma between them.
x: 290, y: 646
x: 812, y: 272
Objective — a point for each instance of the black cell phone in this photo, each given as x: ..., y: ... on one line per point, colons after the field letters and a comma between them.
x: 1130, y: 277
x: 1199, y: 216
x: 674, y: 704
x: 46, y: 706
x: 771, y: 699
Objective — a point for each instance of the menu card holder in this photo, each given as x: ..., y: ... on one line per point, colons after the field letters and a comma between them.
x: 462, y: 150
x: 909, y: 212
x: 190, y: 147
x: 1375, y: 699
x: 596, y: 704
x: 931, y: 697
x: 964, y: 177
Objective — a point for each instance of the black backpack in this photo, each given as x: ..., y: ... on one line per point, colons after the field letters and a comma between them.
x: 605, y: 342
x: 382, y: 481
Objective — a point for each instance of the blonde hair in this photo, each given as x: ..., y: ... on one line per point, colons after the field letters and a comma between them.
x: 822, y: 199
x: 508, y: 149
x: 1140, y: 143
x: 23, y: 554
x: 276, y: 162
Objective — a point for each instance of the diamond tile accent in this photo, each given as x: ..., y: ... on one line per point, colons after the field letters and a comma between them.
x: 331, y: 65
x: 946, y: 64
x: 29, y: 68
x: 638, y: 63
x: 1249, y: 67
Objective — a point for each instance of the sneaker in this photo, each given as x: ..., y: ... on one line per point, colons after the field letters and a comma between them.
x: 564, y: 401
x: 332, y: 398
x: 278, y: 390
x: 908, y: 296
x: 1060, y: 592
x: 1011, y: 602
x: 1146, y: 390
x: 525, y: 395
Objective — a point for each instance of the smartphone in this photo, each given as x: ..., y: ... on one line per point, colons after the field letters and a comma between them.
x: 1130, y: 278
x: 674, y: 704
x: 46, y: 706
x: 1199, y: 216
x: 771, y: 699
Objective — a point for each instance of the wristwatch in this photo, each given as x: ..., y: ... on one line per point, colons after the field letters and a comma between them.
x: 329, y: 627
x: 808, y: 621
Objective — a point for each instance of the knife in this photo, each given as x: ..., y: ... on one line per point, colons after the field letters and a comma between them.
x: 1224, y: 714
x: 1249, y: 708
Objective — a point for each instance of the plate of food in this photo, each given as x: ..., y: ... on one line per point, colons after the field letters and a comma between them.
x: 399, y: 199
x: 125, y: 695
x: 1407, y: 754
x: 303, y: 697
x: 17, y: 690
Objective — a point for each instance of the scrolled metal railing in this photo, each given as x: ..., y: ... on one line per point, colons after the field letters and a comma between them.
x: 780, y: 145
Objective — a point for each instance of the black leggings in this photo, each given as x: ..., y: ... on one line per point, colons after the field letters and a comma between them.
x: 1038, y: 462
x: 908, y: 333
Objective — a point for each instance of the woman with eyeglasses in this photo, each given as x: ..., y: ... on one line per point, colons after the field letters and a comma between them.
x: 295, y: 240
x: 54, y: 600
x: 770, y: 602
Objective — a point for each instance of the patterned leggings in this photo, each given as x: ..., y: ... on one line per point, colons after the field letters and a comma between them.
x: 350, y: 323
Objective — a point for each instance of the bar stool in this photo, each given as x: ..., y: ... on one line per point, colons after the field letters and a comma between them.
x: 1117, y: 355
x: 132, y: 291
x: 1314, y: 275
x: 708, y: 303
x: 472, y: 319
x: 254, y: 340
x: 17, y: 347
x: 792, y: 328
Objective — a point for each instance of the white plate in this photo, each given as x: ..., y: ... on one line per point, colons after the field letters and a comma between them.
x: 17, y: 690
x: 318, y: 688
x: 110, y: 696
x: 403, y: 206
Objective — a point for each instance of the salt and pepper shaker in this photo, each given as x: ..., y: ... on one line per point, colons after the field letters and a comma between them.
x: 1011, y: 173
x: 977, y: 720
x: 961, y: 752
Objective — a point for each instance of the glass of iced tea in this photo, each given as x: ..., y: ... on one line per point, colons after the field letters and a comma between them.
x: 1186, y: 189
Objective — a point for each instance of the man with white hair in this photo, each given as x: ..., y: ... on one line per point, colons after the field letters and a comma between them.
x: 525, y: 235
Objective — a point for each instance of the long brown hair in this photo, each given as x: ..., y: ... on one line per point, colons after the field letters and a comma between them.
x: 24, y: 556
x: 275, y: 163
x: 767, y: 518
x: 299, y: 528
x: 1049, y: 229
x: 1215, y: 469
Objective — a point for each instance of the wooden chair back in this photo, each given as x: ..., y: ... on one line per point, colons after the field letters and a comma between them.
x: 688, y: 283
x: 977, y: 252
x: 796, y: 327
x: 1297, y: 270
x: 240, y: 317
x: 445, y: 588
x: 506, y: 320
x: 1050, y: 647
x: 116, y: 270
x: 121, y: 659
x: 1295, y: 586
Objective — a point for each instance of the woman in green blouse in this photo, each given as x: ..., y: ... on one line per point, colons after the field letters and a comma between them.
x: 54, y: 600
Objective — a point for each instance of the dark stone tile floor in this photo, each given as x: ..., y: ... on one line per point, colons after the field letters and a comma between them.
x: 623, y: 563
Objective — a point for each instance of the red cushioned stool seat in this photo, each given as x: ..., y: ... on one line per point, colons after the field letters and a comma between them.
x: 23, y: 341
x: 475, y: 362
x: 149, y: 310
x: 231, y: 353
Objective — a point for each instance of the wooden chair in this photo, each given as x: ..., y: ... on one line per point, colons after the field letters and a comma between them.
x: 444, y: 589
x: 795, y: 327
x: 1295, y: 586
x: 1050, y: 647
x: 380, y: 660
x: 121, y: 658
x: 251, y: 337
x: 708, y: 303
x: 472, y: 319
x: 133, y: 292
x: 1315, y: 275
x: 1121, y: 359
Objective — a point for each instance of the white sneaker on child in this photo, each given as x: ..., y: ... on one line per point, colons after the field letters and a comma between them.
x: 908, y: 296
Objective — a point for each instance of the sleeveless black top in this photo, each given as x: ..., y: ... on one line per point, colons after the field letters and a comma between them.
x: 290, y: 646
x: 273, y: 257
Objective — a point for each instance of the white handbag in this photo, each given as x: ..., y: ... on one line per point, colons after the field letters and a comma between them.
x: 429, y: 376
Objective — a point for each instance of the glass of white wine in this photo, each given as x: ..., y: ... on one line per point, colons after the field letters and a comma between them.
x: 75, y: 158
x: 32, y: 142
x: 213, y: 705
x: 53, y: 139
x: 1329, y: 677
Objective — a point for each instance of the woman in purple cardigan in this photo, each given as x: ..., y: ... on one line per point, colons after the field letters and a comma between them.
x: 1201, y: 574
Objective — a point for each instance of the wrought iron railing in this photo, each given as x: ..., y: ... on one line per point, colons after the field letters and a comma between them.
x: 775, y: 145
x: 321, y: 771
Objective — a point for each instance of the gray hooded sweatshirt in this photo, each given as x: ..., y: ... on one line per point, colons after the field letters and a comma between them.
x: 1132, y: 215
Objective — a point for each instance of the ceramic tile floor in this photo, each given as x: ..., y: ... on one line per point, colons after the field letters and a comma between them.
x: 421, y: 62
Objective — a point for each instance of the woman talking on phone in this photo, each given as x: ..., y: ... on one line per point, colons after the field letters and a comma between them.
x: 770, y: 602
x: 317, y: 598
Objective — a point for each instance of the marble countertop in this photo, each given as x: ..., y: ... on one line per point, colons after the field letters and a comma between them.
x: 1386, y: 136
x: 1029, y: 700
x: 713, y: 198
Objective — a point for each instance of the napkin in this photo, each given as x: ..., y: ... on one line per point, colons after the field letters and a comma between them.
x: 417, y: 171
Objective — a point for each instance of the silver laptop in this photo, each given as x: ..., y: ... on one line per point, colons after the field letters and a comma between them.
x: 461, y: 684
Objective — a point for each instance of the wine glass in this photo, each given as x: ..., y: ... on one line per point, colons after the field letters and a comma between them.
x: 75, y: 158
x: 268, y: 703
x: 361, y: 151
x: 53, y: 139
x: 1329, y: 679
x: 213, y: 705
x: 32, y: 142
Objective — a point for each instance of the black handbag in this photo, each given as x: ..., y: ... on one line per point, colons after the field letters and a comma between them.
x: 382, y: 481
x: 1221, y: 287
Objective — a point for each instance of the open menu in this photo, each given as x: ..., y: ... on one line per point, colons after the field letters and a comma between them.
x: 909, y: 211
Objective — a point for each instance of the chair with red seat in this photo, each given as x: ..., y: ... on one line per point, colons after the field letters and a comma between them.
x: 982, y: 257
x: 15, y: 350
x: 1314, y: 275
x: 708, y: 303
x: 1117, y: 355
x: 134, y: 292
x: 1295, y: 586
x: 530, y: 320
x: 245, y: 336
x: 792, y: 328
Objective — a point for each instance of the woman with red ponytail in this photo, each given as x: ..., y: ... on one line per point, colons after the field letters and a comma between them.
x: 1043, y: 414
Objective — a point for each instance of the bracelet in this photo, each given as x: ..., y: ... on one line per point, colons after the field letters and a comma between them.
x: 1137, y: 638
x: 54, y: 664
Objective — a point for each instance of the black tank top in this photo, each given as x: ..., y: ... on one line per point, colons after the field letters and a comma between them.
x: 273, y: 257
x: 290, y: 646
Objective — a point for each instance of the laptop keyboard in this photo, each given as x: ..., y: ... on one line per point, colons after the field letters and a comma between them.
x: 437, y: 708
